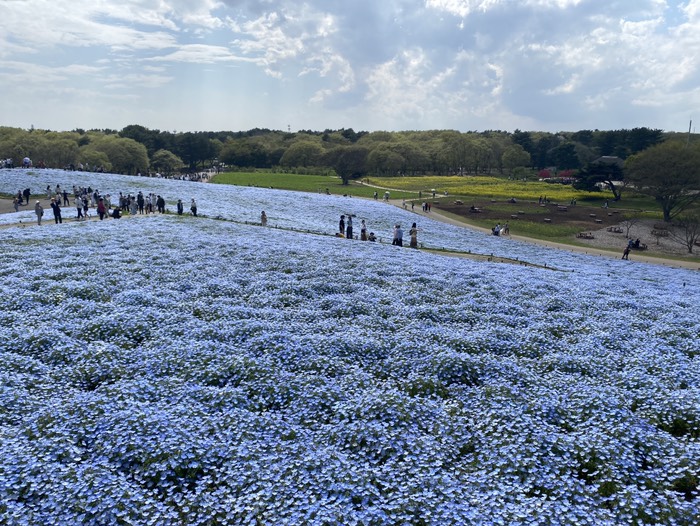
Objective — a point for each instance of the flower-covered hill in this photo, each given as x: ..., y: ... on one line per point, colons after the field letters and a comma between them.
x: 181, y: 370
x: 289, y: 210
x: 174, y: 370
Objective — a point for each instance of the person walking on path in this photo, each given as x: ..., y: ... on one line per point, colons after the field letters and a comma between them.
x: 39, y: 211
x: 414, y: 235
x: 263, y: 218
x: 626, y: 253
x: 15, y: 204
x: 193, y: 207
x: 56, y: 207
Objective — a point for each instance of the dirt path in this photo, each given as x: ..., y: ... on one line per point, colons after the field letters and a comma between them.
x: 456, y: 220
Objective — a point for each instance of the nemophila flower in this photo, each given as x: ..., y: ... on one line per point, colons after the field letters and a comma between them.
x: 177, y: 370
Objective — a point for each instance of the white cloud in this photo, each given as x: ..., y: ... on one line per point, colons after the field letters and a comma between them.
x: 395, y: 63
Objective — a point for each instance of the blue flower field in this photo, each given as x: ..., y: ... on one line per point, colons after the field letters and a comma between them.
x: 205, y: 370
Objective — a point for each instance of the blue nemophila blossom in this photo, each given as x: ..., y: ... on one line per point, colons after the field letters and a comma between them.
x: 181, y: 370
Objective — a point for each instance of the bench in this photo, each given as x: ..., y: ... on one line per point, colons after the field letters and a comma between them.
x: 475, y: 210
x: 642, y: 246
x: 547, y: 220
x: 615, y: 229
x: 659, y: 232
x: 562, y: 209
x: 514, y: 216
x: 585, y: 235
x: 459, y: 202
x: 598, y: 220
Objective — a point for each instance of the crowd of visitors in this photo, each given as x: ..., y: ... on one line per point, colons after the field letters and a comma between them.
x: 87, y: 199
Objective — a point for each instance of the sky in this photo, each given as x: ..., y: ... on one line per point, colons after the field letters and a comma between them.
x: 467, y: 65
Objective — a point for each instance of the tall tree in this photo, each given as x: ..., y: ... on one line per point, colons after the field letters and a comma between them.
x: 606, y: 170
x: 349, y: 162
x: 670, y: 173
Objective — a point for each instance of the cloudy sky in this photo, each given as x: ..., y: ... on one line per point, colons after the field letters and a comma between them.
x: 189, y: 65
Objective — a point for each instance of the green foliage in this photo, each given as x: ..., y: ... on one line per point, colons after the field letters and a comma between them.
x: 670, y: 173
x: 166, y: 162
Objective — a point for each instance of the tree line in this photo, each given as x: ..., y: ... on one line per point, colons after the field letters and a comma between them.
x: 348, y: 153
x: 664, y: 165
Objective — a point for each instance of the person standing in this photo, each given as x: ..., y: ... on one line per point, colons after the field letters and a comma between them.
x: 348, y: 230
x: 56, y: 207
x: 398, y: 236
x: 15, y: 204
x: 263, y: 218
x: 626, y: 253
x: 101, y: 209
x: 180, y: 207
x: 363, y: 230
x: 39, y: 211
x: 140, y: 201
x: 414, y: 236
x: 193, y: 207
x: 341, y: 225
x: 79, y: 208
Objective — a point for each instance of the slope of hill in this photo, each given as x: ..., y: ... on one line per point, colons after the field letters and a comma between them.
x: 169, y: 369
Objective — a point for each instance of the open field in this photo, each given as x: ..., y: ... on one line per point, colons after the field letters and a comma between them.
x: 179, y: 370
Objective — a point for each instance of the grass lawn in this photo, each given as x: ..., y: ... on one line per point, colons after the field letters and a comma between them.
x: 303, y: 183
x: 489, y: 193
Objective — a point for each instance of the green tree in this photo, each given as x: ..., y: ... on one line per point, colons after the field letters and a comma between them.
x: 670, y: 173
x: 606, y: 170
x: 348, y: 162
x: 515, y: 156
x: 302, y: 153
x: 125, y: 155
x: 166, y: 162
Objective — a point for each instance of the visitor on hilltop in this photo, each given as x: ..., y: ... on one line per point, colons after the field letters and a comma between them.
x: 79, y: 208
x: 15, y: 204
x: 348, y: 231
x: 160, y: 203
x: 86, y: 206
x: 341, y: 225
x: 372, y: 237
x: 140, y: 201
x: 117, y: 213
x: 626, y: 253
x: 193, y: 207
x: 66, y: 201
x: 39, y: 211
x: 180, y: 207
x: 27, y: 192
x: 56, y: 207
x: 363, y: 230
x: 263, y: 218
x: 413, y: 232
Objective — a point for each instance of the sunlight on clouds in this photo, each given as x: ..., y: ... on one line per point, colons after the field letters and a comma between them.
x: 464, y: 8
x: 278, y: 37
